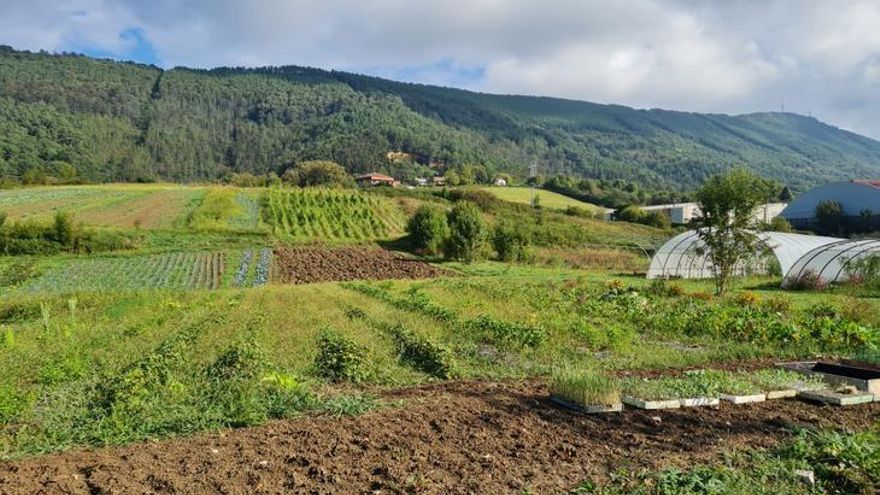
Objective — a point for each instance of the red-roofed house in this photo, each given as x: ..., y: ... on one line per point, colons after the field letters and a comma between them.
x: 371, y: 180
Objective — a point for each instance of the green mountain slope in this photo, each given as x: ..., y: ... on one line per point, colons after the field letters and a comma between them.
x: 66, y: 115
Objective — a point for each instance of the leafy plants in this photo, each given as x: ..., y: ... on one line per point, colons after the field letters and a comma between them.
x: 340, y: 358
x: 506, y: 333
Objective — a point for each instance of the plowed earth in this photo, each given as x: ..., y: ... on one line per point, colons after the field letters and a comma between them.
x: 458, y: 437
x: 304, y: 265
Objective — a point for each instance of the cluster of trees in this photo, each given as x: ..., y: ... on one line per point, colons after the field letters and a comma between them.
x: 461, y: 233
x: 66, y: 118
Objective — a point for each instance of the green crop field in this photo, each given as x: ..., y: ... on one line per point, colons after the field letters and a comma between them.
x: 330, y: 214
x: 547, y: 199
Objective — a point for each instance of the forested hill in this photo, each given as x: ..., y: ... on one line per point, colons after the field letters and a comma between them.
x: 73, y: 116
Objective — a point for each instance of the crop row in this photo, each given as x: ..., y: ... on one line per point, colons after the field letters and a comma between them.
x: 249, y: 216
x: 254, y: 268
x: 328, y: 214
x: 15, y: 197
x: 166, y: 271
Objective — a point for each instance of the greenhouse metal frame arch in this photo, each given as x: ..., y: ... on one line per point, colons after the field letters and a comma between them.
x: 683, y: 257
x: 828, y: 264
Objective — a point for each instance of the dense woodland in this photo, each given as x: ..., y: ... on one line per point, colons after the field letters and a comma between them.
x: 70, y: 118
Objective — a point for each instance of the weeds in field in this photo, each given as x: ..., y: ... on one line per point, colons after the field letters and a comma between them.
x: 421, y: 353
x: 348, y: 405
x: 505, y: 333
x: 843, y: 462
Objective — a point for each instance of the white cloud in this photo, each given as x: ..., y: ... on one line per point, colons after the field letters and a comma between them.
x: 685, y: 54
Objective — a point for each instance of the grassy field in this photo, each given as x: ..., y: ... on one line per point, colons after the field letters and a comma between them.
x: 547, y: 199
x: 122, y: 206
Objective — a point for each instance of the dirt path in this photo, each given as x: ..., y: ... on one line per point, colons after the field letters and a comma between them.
x: 460, y: 437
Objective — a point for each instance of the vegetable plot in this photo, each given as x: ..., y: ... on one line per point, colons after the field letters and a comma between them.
x: 166, y: 271
x: 330, y: 214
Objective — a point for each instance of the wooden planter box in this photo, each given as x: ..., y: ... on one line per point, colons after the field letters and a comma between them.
x: 590, y: 409
x: 652, y: 404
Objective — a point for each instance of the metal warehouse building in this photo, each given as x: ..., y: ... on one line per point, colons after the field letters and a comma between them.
x: 855, y: 197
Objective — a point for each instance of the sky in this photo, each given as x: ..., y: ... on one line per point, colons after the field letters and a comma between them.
x: 817, y: 57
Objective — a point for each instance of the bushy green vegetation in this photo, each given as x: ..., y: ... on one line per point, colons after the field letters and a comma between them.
x: 329, y: 214
x: 62, y: 235
x: 428, y: 229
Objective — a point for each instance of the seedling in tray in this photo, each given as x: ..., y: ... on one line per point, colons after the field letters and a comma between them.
x: 586, y: 391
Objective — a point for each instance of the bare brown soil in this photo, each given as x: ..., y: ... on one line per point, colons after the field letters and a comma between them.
x: 309, y: 264
x: 459, y: 437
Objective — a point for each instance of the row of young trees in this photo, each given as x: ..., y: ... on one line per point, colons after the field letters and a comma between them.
x: 461, y: 233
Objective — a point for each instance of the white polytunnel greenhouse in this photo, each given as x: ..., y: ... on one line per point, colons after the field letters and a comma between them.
x: 684, y: 255
x: 835, y: 262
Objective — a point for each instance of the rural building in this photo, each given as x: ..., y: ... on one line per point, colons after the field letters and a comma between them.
x: 500, y: 182
x: 372, y: 180
x: 678, y: 213
x: 421, y: 181
x: 439, y: 181
x: 683, y: 213
x: 859, y: 199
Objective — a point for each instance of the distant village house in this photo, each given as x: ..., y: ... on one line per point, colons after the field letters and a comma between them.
x: 373, y: 180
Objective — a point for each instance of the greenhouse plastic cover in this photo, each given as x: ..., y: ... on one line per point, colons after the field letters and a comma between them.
x: 680, y: 256
x: 828, y: 264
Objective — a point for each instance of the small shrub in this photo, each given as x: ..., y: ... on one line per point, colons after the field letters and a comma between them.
x: 702, y: 295
x: 777, y: 303
x: 747, y: 299
x: 340, y: 358
x: 660, y: 287
x: 511, y: 243
x: 467, y: 232
x: 858, y: 310
x: 585, y: 388
x: 428, y: 229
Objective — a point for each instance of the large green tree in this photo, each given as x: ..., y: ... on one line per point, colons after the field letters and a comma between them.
x: 727, y: 221
x: 317, y: 173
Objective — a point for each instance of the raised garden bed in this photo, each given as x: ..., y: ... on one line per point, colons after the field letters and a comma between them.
x: 651, y: 405
x: 845, y: 396
x: 743, y: 399
x: 865, y: 379
x: 585, y: 391
x: 701, y: 402
x: 587, y: 409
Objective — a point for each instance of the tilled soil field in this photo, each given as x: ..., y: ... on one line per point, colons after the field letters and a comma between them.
x: 310, y: 264
x: 458, y: 437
